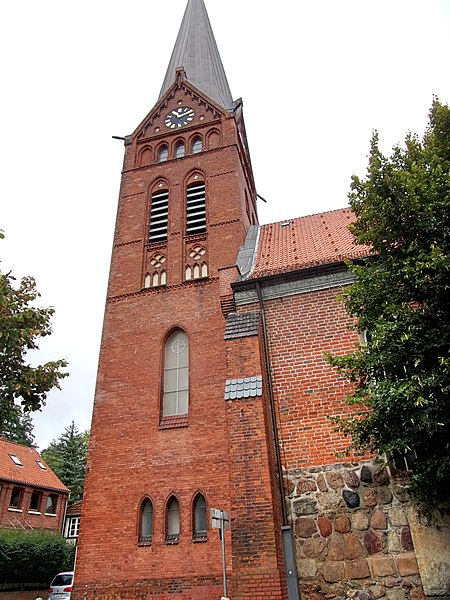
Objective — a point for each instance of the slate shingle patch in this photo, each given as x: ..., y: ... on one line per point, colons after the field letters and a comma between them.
x: 247, y: 387
x: 244, y: 325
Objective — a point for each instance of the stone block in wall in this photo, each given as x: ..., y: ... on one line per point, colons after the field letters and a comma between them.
x: 360, y: 521
x: 333, y: 571
x: 384, y: 495
x: 396, y: 594
x: 313, y: 547
x: 378, y: 520
x: 329, y: 500
x: 306, y: 485
x: 374, y: 542
x: 335, y: 549
x: 334, y: 480
x: 351, y: 479
x: 351, y: 498
x: 342, y: 524
x: 324, y: 525
x: 397, y: 516
x: 383, y: 565
x: 357, y: 569
x: 352, y: 546
x: 305, y: 527
x: 406, y: 539
x: 305, y: 506
x: 369, y: 498
x: 307, y: 568
x: 407, y: 564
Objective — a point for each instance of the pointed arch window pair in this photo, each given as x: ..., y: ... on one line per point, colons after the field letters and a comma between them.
x: 172, y: 520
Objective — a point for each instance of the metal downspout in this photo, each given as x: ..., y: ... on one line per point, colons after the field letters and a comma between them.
x: 286, y: 529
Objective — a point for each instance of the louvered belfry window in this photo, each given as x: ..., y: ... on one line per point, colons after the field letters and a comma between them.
x: 196, y: 209
x: 159, y: 212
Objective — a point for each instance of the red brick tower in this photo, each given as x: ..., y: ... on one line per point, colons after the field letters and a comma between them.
x: 159, y: 457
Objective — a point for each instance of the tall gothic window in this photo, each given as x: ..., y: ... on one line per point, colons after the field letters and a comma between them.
x: 159, y: 214
x: 176, y: 367
x: 172, y: 521
x: 195, y: 209
x: 146, y: 522
x: 199, y: 517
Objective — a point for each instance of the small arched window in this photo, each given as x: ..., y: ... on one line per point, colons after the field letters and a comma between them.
x: 199, y: 517
x: 172, y: 521
x: 146, y: 522
x: 197, y: 145
x: 163, y: 153
x: 179, y: 150
x: 176, y: 367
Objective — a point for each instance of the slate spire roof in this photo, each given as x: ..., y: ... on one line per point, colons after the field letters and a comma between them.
x: 196, y: 50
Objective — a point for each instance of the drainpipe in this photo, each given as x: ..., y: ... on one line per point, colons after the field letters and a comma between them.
x: 286, y: 529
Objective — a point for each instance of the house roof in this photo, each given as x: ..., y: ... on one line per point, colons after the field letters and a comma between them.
x: 196, y: 51
x: 28, y: 472
x: 305, y: 242
x: 75, y: 509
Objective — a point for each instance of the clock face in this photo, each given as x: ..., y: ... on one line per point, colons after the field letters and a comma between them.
x: 179, y: 117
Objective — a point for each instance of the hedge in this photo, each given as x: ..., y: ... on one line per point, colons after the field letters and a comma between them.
x: 33, y: 556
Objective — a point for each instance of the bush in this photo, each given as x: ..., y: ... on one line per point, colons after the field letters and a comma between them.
x: 33, y: 556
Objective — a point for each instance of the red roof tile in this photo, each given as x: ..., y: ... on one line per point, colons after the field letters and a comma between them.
x: 306, y: 242
x: 29, y: 473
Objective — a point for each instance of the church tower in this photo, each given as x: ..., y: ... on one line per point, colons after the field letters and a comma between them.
x: 159, y: 455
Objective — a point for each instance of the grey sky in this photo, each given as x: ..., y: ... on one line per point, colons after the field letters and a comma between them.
x: 316, y: 78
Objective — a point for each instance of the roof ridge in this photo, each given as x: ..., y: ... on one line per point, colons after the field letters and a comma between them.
x: 323, y: 212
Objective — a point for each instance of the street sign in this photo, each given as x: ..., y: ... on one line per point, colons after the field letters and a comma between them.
x: 220, y: 519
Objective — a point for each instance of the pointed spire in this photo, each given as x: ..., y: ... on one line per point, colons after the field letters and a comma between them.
x: 196, y: 51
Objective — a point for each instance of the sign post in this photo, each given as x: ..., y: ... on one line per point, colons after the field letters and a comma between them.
x: 220, y: 519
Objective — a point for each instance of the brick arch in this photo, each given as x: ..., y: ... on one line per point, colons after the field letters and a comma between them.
x: 213, y: 139
x: 145, y: 156
x: 158, y: 149
x: 179, y: 140
x: 194, y: 176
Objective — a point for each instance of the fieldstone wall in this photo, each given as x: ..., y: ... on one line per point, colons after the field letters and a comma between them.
x: 352, y: 534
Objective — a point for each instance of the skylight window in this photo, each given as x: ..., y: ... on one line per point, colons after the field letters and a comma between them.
x: 16, y: 460
x: 41, y: 465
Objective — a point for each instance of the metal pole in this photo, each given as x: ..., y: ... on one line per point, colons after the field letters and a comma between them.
x: 224, y: 560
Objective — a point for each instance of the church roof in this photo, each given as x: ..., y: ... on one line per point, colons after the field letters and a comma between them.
x: 305, y: 242
x: 196, y: 50
x: 21, y: 464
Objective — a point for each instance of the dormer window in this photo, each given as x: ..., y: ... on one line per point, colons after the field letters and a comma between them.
x: 163, y: 153
x: 16, y: 460
x: 41, y: 465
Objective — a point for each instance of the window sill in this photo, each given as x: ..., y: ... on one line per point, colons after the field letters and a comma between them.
x: 172, y: 540
x: 50, y: 514
x: 34, y: 512
x: 12, y: 509
x: 145, y: 542
x: 174, y: 421
x: 199, y: 539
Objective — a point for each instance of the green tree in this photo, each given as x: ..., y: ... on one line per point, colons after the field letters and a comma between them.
x: 401, y: 297
x: 21, y: 325
x: 66, y: 456
x: 18, y: 427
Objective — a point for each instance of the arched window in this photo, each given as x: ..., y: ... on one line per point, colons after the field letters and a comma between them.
x: 195, y: 209
x: 172, y: 521
x: 179, y: 150
x: 176, y: 367
x: 146, y: 522
x: 199, y: 517
x: 163, y: 153
x: 197, y: 145
x: 159, y: 214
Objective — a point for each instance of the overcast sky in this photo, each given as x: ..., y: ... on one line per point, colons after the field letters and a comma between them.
x: 316, y: 78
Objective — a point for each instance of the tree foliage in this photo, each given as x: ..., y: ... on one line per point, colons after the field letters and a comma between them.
x: 401, y: 297
x: 18, y: 427
x: 66, y: 456
x: 21, y: 326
